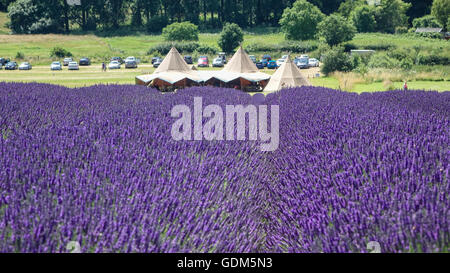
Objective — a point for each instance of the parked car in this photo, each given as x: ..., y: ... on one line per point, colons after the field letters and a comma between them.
x: 1, y: 66
x: 313, y: 62
x: 66, y: 61
x: 4, y: 61
x: 272, y: 65
x: 154, y: 59
x: 118, y: 59
x: 11, y: 66
x: 260, y: 65
x: 188, y: 59
x: 25, y: 66
x: 85, y: 61
x: 264, y: 62
x: 203, y: 61
x: 157, y: 62
x: 114, y: 65
x: 223, y: 56
x: 284, y: 57
x: 131, y: 64
x: 56, y: 66
x: 303, y: 63
x: 73, y: 66
x: 280, y: 62
x: 267, y: 57
x: 131, y: 58
x: 218, y: 62
x: 253, y: 58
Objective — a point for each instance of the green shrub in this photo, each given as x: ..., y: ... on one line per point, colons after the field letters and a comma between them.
x: 349, y: 47
x: 441, y: 10
x: 382, y: 60
x: 184, y: 31
x: 426, y: 21
x: 230, y: 37
x: 300, y: 22
x: 406, y: 64
x: 432, y: 59
x: 401, y: 30
x: 60, y: 52
x: 156, y: 24
x: 164, y: 48
x: 336, y: 60
x: 207, y: 50
x: 20, y: 55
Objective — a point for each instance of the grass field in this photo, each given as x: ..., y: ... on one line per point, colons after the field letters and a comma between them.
x: 36, y: 49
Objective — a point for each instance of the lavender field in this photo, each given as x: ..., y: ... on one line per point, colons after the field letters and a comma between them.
x: 98, y: 166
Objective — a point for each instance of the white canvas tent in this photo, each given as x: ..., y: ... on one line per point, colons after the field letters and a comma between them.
x: 239, y: 69
x: 288, y: 75
x: 172, y: 70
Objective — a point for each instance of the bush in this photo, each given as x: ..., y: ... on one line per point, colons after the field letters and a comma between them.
x: 20, y: 55
x: 426, y: 21
x: 157, y: 23
x: 401, y: 30
x: 335, y: 29
x: 230, y: 37
x: 287, y: 46
x: 364, y: 18
x: 382, y: 60
x: 391, y: 14
x: 349, y: 47
x: 300, y: 22
x: 184, y: 31
x: 164, y: 48
x: 432, y: 59
x: 336, y: 60
x: 60, y: 52
x: 207, y: 50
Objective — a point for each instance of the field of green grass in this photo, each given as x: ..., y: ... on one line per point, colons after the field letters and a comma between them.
x: 36, y: 49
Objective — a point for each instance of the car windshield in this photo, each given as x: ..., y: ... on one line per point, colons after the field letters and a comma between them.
x: 55, y: 63
x: 303, y: 60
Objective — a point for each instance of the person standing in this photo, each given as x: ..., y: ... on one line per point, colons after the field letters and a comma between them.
x: 405, y: 86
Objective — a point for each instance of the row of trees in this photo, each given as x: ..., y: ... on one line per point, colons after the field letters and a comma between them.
x: 37, y: 16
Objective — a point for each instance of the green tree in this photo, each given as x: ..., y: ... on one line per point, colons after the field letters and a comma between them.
x: 346, y: 8
x: 364, y: 18
x: 426, y: 21
x: 185, y: 31
x: 441, y: 11
x: 300, y: 22
x: 4, y: 4
x: 391, y: 14
x: 336, y: 60
x: 230, y: 37
x: 335, y: 29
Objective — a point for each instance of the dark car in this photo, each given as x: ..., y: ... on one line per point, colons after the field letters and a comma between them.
x: 85, y: 61
x: 260, y: 65
x: 188, y: 59
x: 11, y: 66
x: 267, y: 57
x: 157, y: 62
x: 4, y: 61
x: 131, y: 64
x: 118, y: 59
x: 272, y: 65
x: 264, y: 62
x: 154, y: 59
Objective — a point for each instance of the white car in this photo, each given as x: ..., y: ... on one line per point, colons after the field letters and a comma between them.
x: 284, y: 57
x: 25, y: 66
x: 281, y: 61
x: 130, y: 59
x: 114, y: 65
x: 67, y: 61
x: 73, y: 66
x: 56, y: 66
x: 313, y: 62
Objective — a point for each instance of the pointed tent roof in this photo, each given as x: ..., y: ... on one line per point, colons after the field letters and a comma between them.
x: 240, y: 63
x: 288, y: 75
x: 172, y: 69
x: 173, y: 62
